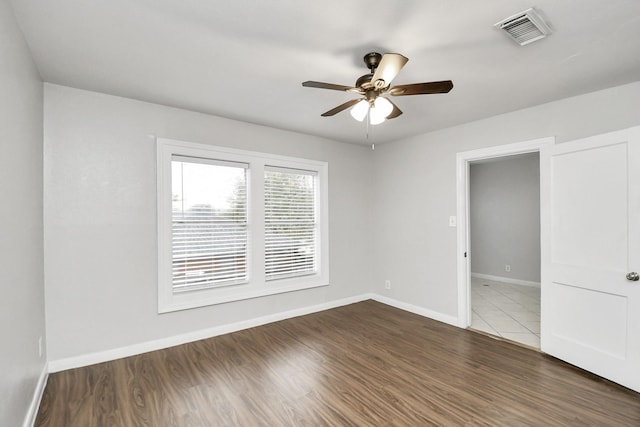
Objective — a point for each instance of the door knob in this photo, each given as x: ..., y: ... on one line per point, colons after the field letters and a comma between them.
x: 633, y: 276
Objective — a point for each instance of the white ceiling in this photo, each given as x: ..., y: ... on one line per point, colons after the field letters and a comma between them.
x: 246, y: 59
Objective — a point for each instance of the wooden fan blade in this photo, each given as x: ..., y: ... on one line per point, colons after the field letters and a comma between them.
x: 422, y: 88
x: 395, y: 112
x: 389, y: 67
x: 341, y: 107
x: 321, y: 85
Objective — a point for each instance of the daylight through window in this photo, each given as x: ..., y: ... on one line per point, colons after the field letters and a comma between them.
x: 209, y: 223
x: 290, y: 223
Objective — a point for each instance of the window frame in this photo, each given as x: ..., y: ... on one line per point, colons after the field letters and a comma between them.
x: 257, y: 285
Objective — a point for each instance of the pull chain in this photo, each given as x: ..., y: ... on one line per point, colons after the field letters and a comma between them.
x: 368, y: 120
x: 373, y: 145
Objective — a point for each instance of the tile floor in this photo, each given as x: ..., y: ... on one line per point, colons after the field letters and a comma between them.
x: 506, y: 310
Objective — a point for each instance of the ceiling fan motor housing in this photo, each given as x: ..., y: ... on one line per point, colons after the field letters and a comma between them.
x: 364, y: 80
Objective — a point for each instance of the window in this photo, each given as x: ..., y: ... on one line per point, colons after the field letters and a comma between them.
x: 236, y: 224
x: 290, y: 223
x: 209, y: 223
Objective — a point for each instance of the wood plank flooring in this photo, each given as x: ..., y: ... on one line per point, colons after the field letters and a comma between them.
x: 365, y: 364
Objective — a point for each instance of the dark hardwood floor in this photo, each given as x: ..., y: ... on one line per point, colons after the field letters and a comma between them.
x: 365, y: 364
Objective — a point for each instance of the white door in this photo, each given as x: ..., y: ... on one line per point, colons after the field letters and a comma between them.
x: 591, y: 241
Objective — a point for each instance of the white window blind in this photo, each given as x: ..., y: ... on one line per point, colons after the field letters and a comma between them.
x: 209, y: 223
x: 290, y: 222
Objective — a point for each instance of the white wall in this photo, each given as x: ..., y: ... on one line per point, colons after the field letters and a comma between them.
x: 416, y: 187
x: 100, y: 219
x: 22, y: 303
x: 505, y: 217
x: 388, y: 209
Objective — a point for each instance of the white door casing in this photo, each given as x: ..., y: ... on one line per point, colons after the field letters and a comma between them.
x: 590, y: 236
x: 463, y: 159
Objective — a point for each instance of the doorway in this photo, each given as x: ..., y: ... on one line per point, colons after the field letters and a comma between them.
x: 504, y: 218
x: 501, y: 300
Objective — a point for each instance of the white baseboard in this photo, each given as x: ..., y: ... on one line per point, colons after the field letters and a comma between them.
x: 506, y: 280
x: 445, y: 318
x: 30, y: 418
x: 144, y: 347
x: 132, y: 350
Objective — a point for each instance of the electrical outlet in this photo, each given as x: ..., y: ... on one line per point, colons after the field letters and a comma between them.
x: 507, y: 267
x: 40, y: 347
x: 387, y: 284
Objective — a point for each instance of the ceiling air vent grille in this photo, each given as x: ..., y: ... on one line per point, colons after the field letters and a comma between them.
x: 524, y: 27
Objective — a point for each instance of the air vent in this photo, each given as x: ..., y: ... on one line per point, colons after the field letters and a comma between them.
x: 524, y: 27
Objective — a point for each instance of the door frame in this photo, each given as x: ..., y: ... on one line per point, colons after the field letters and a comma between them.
x: 463, y: 159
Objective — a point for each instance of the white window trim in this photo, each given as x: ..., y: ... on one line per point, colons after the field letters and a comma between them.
x: 257, y: 286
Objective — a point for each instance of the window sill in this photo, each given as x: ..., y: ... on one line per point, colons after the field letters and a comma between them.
x: 203, y: 298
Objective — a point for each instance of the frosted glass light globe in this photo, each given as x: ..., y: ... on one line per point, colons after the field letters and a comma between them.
x: 359, y: 111
x: 380, y: 110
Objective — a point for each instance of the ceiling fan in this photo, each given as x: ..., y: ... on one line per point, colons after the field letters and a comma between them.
x: 383, y: 69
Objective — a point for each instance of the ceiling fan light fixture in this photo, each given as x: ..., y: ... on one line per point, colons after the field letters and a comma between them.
x: 359, y: 111
x: 375, y: 119
x: 383, y: 106
x: 379, y: 110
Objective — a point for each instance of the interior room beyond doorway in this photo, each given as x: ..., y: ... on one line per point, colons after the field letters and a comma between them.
x: 504, y: 209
